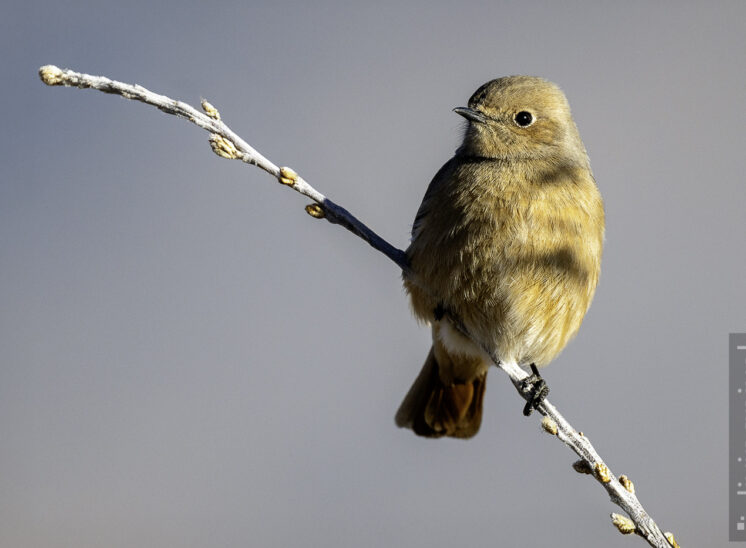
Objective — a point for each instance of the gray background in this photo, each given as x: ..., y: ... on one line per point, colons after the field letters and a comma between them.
x: 187, y: 359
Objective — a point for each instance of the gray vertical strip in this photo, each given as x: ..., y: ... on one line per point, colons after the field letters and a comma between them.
x: 737, y: 439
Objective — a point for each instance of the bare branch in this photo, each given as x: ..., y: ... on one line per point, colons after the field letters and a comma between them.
x: 228, y: 144
x: 210, y: 121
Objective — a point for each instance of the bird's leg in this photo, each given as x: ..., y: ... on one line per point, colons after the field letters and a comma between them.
x: 534, y: 383
x: 539, y: 390
x: 439, y: 312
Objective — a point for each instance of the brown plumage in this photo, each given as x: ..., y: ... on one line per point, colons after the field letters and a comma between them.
x: 507, y: 242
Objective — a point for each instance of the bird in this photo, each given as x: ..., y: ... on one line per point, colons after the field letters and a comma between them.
x: 505, y: 250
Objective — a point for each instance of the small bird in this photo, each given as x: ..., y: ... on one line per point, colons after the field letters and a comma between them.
x: 506, y: 247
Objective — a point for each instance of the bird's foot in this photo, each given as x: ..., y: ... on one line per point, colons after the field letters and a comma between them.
x: 538, y: 390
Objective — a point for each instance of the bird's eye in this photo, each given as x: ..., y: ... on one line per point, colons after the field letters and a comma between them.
x: 523, y: 118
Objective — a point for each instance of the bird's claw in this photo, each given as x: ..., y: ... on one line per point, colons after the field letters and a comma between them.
x: 538, y: 390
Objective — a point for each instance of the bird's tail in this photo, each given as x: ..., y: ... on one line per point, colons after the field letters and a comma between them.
x: 434, y: 409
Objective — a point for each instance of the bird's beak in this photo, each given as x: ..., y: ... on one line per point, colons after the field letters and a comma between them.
x: 471, y: 114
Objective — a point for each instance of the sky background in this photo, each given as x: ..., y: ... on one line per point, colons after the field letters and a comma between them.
x: 187, y: 359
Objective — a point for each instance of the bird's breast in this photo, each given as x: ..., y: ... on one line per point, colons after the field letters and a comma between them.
x: 517, y: 260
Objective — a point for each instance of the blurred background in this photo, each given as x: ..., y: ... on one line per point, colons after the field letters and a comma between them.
x: 187, y: 359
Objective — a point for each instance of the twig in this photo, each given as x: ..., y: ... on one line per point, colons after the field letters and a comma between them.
x: 234, y: 148
x: 227, y: 144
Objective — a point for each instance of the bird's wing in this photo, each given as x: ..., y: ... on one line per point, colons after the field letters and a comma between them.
x: 440, y: 177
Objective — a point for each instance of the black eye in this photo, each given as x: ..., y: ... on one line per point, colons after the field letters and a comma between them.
x: 524, y: 118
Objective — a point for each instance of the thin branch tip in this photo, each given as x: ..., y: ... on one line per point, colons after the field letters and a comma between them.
x: 51, y: 75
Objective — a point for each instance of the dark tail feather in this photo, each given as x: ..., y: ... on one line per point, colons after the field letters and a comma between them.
x: 433, y: 409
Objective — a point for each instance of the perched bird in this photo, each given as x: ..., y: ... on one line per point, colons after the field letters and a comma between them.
x: 506, y: 247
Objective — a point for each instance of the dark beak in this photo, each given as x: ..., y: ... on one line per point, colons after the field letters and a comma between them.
x: 471, y: 114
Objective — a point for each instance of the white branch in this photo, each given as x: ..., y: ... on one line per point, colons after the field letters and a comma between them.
x: 241, y: 150
x: 228, y: 144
